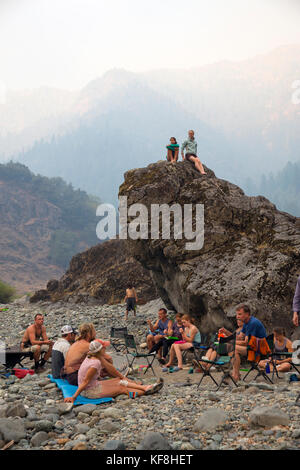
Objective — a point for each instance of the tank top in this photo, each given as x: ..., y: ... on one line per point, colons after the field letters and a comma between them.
x: 197, y: 337
x: 162, y: 326
x: 279, y: 349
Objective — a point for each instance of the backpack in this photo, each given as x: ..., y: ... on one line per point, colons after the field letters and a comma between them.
x: 257, y: 347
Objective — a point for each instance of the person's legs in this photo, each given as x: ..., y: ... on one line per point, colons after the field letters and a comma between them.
x: 198, y: 164
x: 172, y: 355
x: 150, y: 341
x: 239, y: 351
x: 48, y: 350
x: 284, y: 367
x: 115, y: 387
x: 178, y: 351
x: 36, y: 349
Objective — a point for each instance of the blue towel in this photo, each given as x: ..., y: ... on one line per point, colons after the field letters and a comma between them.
x: 69, y: 390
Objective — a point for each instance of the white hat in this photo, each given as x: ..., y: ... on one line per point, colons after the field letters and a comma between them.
x: 67, y: 329
x: 95, y: 347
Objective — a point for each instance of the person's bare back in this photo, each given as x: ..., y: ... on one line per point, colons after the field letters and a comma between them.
x: 76, y: 355
x: 130, y: 293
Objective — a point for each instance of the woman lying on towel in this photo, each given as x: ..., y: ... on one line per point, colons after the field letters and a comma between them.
x: 90, y: 385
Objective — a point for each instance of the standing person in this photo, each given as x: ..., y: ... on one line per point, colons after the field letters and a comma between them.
x: 60, y: 349
x: 252, y: 327
x: 173, y: 150
x: 158, y: 330
x: 90, y: 384
x: 36, y: 341
x: 190, y: 145
x: 131, y: 300
x: 190, y: 337
x: 296, y: 304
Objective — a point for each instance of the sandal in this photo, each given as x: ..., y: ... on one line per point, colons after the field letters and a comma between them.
x: 156, y: 387
x: 176, y: 369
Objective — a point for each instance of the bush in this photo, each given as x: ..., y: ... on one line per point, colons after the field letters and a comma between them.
x: 6, y: 293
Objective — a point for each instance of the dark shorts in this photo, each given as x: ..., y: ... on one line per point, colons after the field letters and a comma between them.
x: 131, y: 304
x: 188, y: 155
x: 72, y: 378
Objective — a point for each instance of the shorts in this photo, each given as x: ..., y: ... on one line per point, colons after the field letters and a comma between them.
x: 131, y: 304
x: 93, y: 392
x: 188, y: 155
x: 72, y: 378
x: 44, y: 348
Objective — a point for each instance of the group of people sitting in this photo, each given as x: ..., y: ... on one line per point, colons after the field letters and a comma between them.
x: 167, y: 337
x: 82, y: 361
x: 188, y: 151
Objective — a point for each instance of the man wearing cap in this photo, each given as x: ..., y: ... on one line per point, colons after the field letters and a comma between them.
x: 60, y: 349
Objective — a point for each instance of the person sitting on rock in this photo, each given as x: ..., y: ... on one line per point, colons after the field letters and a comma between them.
x: 252, y: 327
x: 172, y: 150
x: 190, y: 145
x: 90, y: 384
x: 60, y: 349
x: 159, y: 329
x: 35, y: 340
x: 131, y: 300
x: 190, y: 337
x: 281, y: 345
x: 171, y: 335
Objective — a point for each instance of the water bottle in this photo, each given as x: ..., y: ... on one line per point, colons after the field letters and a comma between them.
x: 267, y: 368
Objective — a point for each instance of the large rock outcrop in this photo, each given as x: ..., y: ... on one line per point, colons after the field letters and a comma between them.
x: 251, y: 251
x: 100, y: 275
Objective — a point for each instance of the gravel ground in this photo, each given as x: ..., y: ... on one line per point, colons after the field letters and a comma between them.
x: 181, y: 416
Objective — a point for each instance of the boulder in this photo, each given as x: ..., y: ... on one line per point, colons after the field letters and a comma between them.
x: 250, y: 254
x: 17, y: 409
x: 154, y: 441
x: 39, y: 438
x: 210, y: 420
x: 268, y: 416
x: 12, y: 430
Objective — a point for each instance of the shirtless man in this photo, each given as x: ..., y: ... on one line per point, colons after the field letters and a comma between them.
x: 35, y: 340
x: 78, y: 351
x: 131, y: 300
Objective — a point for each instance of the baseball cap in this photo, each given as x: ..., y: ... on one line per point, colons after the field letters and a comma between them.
x: 66, y: 329
x: 95, y: 346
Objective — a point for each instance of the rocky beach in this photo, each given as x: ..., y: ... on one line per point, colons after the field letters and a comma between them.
x: 255, y: 415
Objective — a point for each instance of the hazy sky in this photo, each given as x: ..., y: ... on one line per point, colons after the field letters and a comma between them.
x: 66, y: 43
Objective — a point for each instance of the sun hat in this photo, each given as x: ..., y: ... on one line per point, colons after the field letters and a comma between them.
x: 105, y: 344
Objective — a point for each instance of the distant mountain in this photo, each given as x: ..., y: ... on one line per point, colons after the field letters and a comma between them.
x: 121, y: 123
x: 28, y: 115
x: 249, y: 101
x: 245, y: 122
x: 44, y: 222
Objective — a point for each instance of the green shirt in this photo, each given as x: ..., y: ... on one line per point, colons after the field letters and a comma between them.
x: 190, y: 146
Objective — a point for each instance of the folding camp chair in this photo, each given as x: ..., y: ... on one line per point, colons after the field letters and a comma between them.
x: 131, y: 350
x: 283, y: 354
x: 261, y: 357
x: 14, y: 356
x: 118, y: 334
x: 222, y: 363
x: 206, y: 340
